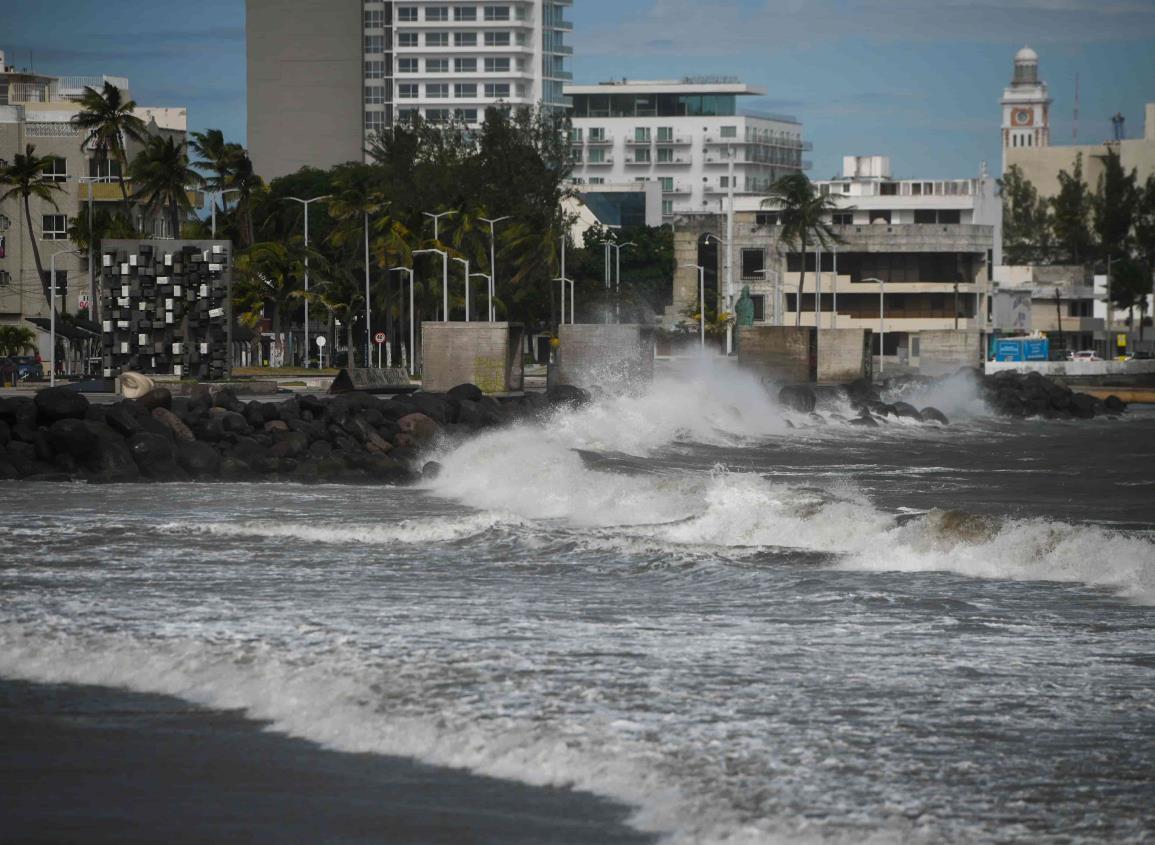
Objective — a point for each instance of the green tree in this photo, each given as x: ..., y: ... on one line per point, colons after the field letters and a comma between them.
x: 162, y: 177
x: 803, y: 215
x: 108, y: 121
x: 343, y: 294
x: 16, y: 340
x: 1026, y: 220
x: 270, y: 276
x: 1071, y: 217
x: 1114, y: 207
x: 25, y: 175
x: 1144, y: 226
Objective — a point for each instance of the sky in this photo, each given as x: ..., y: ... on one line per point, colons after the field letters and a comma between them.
x: 918, y: 80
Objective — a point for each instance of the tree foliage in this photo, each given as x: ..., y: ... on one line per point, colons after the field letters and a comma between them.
x: 24, y: 178
x: 1071, y: 217
x: 1026, y: 220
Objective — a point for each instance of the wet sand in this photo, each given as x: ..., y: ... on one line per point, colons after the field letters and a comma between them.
x: 97, y: 765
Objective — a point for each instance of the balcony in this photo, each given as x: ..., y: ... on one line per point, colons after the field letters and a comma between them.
x: 636, y: 142
x: 600, y: 142
x: 605, y: 162
x: 638, y: 162
x: 675, y: 141
x: 678, y: 188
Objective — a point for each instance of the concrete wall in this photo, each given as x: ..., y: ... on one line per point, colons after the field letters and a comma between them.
x: 844, y: 355
x: 611, y: 358
x: 1083, y: 372
x: 304, y: 84
x: 943, y: 352
x: 1041, y: 165
x: 485, y: 354
x: 783, y: 354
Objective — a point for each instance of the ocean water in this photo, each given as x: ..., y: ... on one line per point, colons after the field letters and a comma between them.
x: 747, y: 626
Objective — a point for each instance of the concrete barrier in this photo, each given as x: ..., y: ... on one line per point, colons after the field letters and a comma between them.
x: 603, y: 357
x: 486, y: 354
x: 1120, y: 373
x: 782, y: 354
x: 844, y: 355
x: 943, y: 352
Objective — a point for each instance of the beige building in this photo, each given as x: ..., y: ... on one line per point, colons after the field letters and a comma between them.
x: 37, y: 109
x: 1026, y: 135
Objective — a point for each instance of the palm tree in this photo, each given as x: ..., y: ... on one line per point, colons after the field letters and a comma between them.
x: 15, y: 340
x: 216, y: 157
x: 355, y: 201
x: 248, y: 183
x: 108, y: 120
x: 25, y: 175
x: 803, y: 214
x: 162, y: 176
x: 270, y: 274
x: 343, y: 295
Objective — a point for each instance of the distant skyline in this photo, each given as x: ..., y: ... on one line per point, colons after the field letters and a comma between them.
x: 918, y: 81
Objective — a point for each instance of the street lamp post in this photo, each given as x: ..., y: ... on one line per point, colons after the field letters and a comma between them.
x: 215, y: 195
x: 305, y: 203
x: 701, y: 303
x: 91, y: 248
x: 465, y: 261
x: 729, y: 293
x: 444, y: 277
x: 881, y: 324
x: 618, y: 275
x: 437, y: 218
x: 492, y: 260
x: 52, y: 311
x: 412, y: 350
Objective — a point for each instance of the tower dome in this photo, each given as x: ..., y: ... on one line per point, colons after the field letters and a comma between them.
x: 1026, y: 67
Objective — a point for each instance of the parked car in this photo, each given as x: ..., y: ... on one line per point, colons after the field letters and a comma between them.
x: 1085, y: 355
x: 27, y: 367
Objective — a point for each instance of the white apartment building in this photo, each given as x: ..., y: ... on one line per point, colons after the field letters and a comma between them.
x: 326, y: 74
x: 688, y: 135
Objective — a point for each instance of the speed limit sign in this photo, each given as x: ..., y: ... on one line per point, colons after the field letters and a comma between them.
x: 379, y: 337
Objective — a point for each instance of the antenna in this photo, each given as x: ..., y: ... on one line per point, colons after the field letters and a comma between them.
x: 1075, y: 126
x: 1117, y: 122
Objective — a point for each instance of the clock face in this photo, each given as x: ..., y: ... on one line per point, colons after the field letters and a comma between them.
x: 1022, y: 117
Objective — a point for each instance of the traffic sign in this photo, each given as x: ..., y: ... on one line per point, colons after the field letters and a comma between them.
x: 379, y: 337
x: 321, y: 341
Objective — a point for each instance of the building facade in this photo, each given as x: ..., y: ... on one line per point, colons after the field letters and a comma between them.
x: 1026, y: 107
x: 325, y: 75
x: 37, y: 109
x: 917, y: 253
x: 687, y: 135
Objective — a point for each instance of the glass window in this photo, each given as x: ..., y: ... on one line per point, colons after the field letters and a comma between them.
x: 437, y: 65
x: 667, y: 183
x: 497, y: 39
x: 667, y: 207
x: 406, y: 115
x: 575, y: 155
x: 375, y: 69
x: 56, y: 171
x: 437, y: 13
x: 437, y: 90
x: 407, y: 13
x: 374, y: 18
x: 466, y: 90
x: 597, y: 155
x: 665, y: 155
x: 597, y: 180
x: 753, y: 263
x: 575, y: 135
x: 464, y: 13
x: 437, y: 115
x: 437, y: 39
x: 407, y: 91
x: 497, y: 13
x: 374, y: 121
x: 407, y: 65
x: 843, y: 218
x: 497, y: 65
x: 407, y: 39
x: 55, y: 227
x: 374, y: 94
x: 597, y: 133
x: 759, y: 301
x: 729, y: 132
x: 465, y: 65
x: 495, y: 91
x: 466, y: 115
x: 642, y: 134
x: 665, y: 133
x: 374, y: 43
x: 465, y: 39
x: 642, y: 156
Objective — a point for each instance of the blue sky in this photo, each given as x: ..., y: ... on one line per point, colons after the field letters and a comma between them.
x: 918, y: 80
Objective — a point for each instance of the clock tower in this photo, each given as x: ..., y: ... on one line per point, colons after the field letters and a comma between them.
x: 1026, y: 106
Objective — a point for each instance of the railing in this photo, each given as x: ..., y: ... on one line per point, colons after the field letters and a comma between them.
x: 50, y: 129
x: 634, y: 141
x: 77, y: 84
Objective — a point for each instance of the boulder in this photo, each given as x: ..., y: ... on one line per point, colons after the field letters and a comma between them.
x: 866, y: 420
x: 274, y: 426
x: 8, y: 470
x: 290, y: 444
x: 155, y: 456
x: 17, y: 409
x: 60, y: 403
x: 111, y: 462
x: 465, y: 393
x: 180, y: 432
x: 905, y: 409
x: 226, y: 398
x: 567, y: 394
x: 421, y: 429
x: 200, y: 460
x: 431, y: 469
x: 5, y: 434
x: 797, y: 397
x: 158, y: 397
x: 73, y: 438
x: 933, y: 414
x: 122, y: 420
x: 1114, y: 405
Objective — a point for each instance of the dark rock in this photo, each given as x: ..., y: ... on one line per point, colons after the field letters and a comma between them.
x: 8, y: 470
x: 17, y: 409
x: 66, y: 463
x: 48, y: 475
x: 470, y: 415
x: 1082, y: 406
x: 290, y: 409
x: 797, y: 397
x: 274, y: 426
x: 432, y: 469
x: 111, y: 461
x: 60, y: 403
x: 384, y: 469
x: 25, y: 432
x: 158, y: 397
x: 122, y: 420
x: 73, y: 437
x: 437, y: 407
x: 200, y: 460
x: 151, y: 425
x: 289, y: 444
x: 465, y: 392
x: 234, y: 469
x: 1114, y: 405
x: 817, y: 419
x: 905, y: 409
x: 933, y: 414
x: 421, y: 429
x: 155, y: 456
x: 226, y: 398
x: 567, y: 394
x: 397, y: 408
x: 5, y: 433
x: 867, y: 421
x: 320, y: 449
x: 311, y: 405
x: 405, y: 455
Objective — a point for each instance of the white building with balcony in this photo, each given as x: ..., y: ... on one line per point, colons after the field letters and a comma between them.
x: 688, y: 135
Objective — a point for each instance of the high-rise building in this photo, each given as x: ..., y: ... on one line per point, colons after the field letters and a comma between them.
x: 689, y: 135
x: 326, y: 74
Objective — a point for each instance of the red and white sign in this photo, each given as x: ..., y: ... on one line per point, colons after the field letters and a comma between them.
x: 379, y: 337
